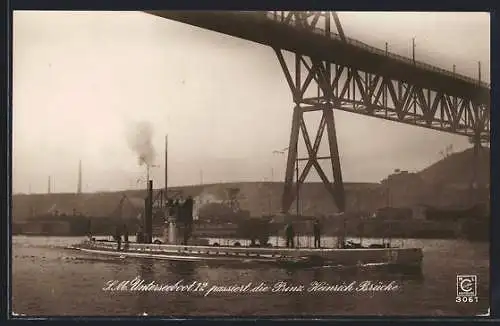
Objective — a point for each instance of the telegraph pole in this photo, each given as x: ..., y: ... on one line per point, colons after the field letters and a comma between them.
x: 297, y: 175
x: 479, y: 71
x: 413, y: 49
x: 79, y: 186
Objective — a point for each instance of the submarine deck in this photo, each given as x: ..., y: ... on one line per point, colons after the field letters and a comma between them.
x: 399, y: 257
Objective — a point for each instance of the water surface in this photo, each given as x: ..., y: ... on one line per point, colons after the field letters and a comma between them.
x: 49, y: 280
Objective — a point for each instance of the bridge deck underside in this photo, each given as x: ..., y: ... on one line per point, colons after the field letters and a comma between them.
x: 387, y: 88
x: 257, y: 27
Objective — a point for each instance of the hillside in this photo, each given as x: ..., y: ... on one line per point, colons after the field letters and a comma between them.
x: 457, y: 168
x: 260, y: 198
x: 445, y: 183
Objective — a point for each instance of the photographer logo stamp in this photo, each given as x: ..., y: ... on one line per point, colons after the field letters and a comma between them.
x: 466, y: 288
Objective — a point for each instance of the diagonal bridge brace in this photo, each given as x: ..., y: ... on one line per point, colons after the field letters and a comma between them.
x: 335, y: 188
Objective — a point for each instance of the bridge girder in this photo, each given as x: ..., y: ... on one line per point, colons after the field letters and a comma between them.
x: 349, y: 89
x: 311, y: 20
x: 310, y: 33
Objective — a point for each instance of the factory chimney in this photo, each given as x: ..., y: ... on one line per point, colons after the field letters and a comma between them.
x: 48, y: 185
x: 148, y: 214
x: 79, y: 186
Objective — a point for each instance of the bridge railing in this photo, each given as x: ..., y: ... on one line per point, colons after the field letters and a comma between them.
x: 274, y: 16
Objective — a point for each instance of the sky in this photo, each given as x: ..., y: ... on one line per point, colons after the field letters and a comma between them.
x: 84, y: 81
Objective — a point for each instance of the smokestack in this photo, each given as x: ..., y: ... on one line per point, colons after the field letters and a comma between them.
x: 166, y: 165
x: 48, y: 185
x: 148, y: 213
x: 79, y: 186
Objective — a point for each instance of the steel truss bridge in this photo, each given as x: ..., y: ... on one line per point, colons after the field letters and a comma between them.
x: 344, y: 74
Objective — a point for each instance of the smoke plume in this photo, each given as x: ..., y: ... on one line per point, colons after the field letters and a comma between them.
x: 140, y: 140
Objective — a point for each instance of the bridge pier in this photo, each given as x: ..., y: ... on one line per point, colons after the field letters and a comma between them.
x: 349, y: 89
x: 325, y: 103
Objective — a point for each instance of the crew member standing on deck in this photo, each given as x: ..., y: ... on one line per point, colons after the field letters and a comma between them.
x: 118, y: 237
x: 175, y: 209
x: 317, y: 234
x: 125, y: 236
x: 89, y: 229
x: 140, y: 235
x: 290, y: 234
x: 170, y: 207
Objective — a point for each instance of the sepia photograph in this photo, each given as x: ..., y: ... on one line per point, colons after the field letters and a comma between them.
x: 250, y: 164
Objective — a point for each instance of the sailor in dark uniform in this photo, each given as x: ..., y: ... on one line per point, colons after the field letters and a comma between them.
x: 140, y: 235
x: 89, y: 228
x: 170, y: 207
x: 118, y: 237
x: 125, y: 236
x: 175, y: 209
x: 317, y: 234
x: 290, y: 234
